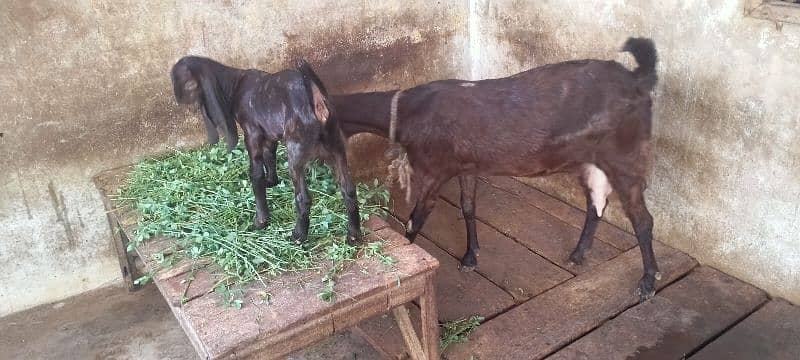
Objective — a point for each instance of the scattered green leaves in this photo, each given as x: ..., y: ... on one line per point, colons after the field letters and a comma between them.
x: 375, y: 250
x: 202, y: 198
x: 144, y: 279
x: 457, y: 331
x: 231, y: 297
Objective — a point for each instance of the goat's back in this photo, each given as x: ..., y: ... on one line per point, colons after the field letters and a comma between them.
x: 576, y: 109
x: 273, y: 103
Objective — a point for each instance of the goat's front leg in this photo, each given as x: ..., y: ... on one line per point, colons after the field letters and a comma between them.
x: 270, y: 163
x: 423, y: 207
x: 258, y: 179
x: 348, y: 194
x: 298, y: 157
x: 468, y: 183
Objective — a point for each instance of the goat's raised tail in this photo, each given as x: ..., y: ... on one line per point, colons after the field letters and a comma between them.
x: 316, y: 92
x: 644, y: 51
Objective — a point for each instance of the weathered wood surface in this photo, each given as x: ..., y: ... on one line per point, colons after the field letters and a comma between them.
x: 428, y: 305
x: 530, y: 226
x: 566, y: 213
x: 292, y: 315
x: 551, y: 320
x: 127, y: 260
x: 571, y: 319
x: 518, y: 270
x: 675, y: 322
x: 772, y: 332
x: 461, y: 294
x: 383, y: 333
x: 403, y: 320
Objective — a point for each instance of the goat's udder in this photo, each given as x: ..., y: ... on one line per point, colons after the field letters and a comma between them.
x: 599, y: 186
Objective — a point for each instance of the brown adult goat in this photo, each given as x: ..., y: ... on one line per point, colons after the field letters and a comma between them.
x: 588, y: 117
x: 290, y: 105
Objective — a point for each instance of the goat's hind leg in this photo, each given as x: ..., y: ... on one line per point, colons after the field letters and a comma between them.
x: 631, y: 193
x: 596, y: 187
x: 339, y: 162
x: 270, y: 148
x: 253, y: 141
x: 467, y: 184
x: 298, y: 155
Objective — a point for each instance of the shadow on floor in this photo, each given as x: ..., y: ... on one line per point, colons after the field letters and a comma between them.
x: 112, y: 323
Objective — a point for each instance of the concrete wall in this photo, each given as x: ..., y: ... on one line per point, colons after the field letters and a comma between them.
x: 725, y: 186
x: 86, y: 87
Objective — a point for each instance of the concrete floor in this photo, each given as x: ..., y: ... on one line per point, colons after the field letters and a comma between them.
x: 112, y: 323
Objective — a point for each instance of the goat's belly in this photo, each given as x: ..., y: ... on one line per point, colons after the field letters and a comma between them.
x: 528, y: 165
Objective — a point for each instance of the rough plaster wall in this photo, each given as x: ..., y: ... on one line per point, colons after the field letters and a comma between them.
x: 86, y: 87
x: 724, y: 186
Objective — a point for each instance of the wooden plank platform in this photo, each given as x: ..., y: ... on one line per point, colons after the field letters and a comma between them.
x: 294, y: 316
x: 564, y: 313
x: 530, y: 226
x: 591, y: 315
x: 505, y: 262
x: 772, y: 332
x: 605, y: 232
x: 674, y: 323
x: 463, y: 294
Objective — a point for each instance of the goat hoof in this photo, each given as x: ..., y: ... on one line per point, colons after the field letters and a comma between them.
x: 466, y: 269
x: 298, y: 237
x: 468, y: 263
x: 354, y: 239
x: 647, y: 288
x: 575, y: 259
x: 259, y: 224
x: 271, y: 182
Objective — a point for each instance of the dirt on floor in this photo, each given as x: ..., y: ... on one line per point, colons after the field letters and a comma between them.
x: 112, y: 323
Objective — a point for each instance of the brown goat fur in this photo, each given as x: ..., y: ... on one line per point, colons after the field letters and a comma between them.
x: 588, y: 117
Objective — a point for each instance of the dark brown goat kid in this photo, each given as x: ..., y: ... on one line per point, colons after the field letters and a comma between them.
x: 587, y: 117
x: 290, y: 105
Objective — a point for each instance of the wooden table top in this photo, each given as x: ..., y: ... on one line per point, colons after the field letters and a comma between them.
x: 293, y: 315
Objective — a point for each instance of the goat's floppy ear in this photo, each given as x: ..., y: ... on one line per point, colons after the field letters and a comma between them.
x: 222, y: 119
x: 212, y: 133
x: 320, y: 103
x: 190, y: 85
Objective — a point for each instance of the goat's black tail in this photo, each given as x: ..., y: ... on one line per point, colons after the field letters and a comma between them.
x: 317, y: 94
x: 644, y: 51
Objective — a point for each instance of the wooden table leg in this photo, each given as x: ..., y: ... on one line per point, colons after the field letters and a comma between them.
x: 409, y: 335
x: 430, y: 320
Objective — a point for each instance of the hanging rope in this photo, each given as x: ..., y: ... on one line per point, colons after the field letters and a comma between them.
x: 399, y: 169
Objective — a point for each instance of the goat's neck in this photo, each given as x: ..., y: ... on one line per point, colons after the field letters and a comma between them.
x: 227, y: 81
x: 364, y: 112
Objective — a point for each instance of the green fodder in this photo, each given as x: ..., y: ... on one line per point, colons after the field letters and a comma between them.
x: 202, y: 198
x: 457, y: 331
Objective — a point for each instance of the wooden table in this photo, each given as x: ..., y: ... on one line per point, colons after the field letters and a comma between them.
x: 287, y: 314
